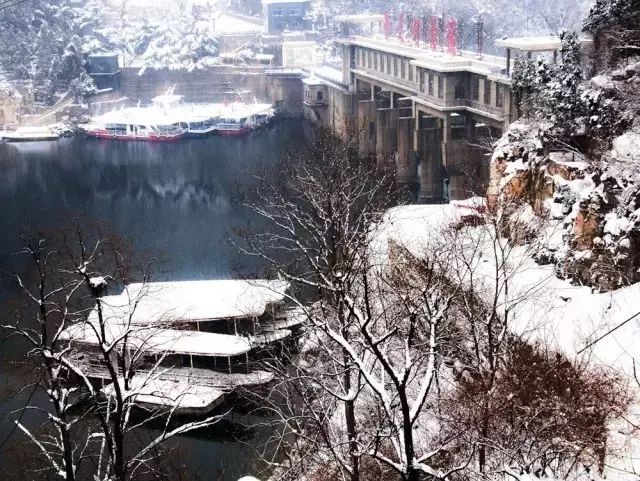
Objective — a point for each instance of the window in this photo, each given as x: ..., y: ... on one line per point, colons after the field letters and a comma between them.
x: 320, y: 95
x: 430, y: 84
x: 395, y: 66
x: 459, y: 91
x: 376, y: 57
x: 487, y: 91
x: 499, y: 96
x: 475, y: 87
x: 402, y: 67
x: 276, y: 12
x: 440, y: 86
x: 370, y: 63
x: 389, y: 64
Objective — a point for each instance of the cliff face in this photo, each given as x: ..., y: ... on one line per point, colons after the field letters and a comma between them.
x: 583, y: 212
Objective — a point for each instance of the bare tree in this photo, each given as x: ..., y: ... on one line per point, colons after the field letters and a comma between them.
x: 94, y: 433
x: 379, y: 327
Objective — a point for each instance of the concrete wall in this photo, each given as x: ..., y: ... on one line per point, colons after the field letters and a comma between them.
x: 207, y: 85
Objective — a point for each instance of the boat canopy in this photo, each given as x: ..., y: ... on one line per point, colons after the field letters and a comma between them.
x: 191, y: 301
x: 153, y: 340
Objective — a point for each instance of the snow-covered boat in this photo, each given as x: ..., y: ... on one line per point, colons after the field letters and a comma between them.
x: 198, y: 120
x: 193, y: 342
x: 135, y: 124
x: 30, y: 134
x: 240, y: 118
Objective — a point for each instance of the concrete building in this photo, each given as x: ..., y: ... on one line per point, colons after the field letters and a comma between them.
x: 432, y: 113
x: 281, y: 15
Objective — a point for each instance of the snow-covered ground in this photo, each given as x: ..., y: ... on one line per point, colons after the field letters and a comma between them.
x: 546, y: 309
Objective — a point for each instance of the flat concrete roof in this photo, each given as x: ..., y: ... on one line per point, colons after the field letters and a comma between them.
x: 535, y: 44
x: 434, y: 60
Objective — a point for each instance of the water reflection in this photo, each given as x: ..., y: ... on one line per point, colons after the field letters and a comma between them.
x: 177, y: 198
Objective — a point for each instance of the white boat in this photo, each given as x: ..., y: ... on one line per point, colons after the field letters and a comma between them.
x: 30, y: 134
x: 135, y: 123
x: 240, y: 118
x: 198, y: 120
x: 196, y: 341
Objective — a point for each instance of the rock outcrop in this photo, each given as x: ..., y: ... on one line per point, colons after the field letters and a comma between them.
x: 583, y: 212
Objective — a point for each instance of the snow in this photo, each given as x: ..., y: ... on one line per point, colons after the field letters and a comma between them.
x: 603, y: 82
x: 159, y: 340
x: 190, y: 301
x: 228, y: 23
x: 545, y: 308
x: 329, y: 73
x: 627, y: 147
x: 615, y: 225
x: 535, y: 44
x: 182, y: 394
x: 97, y: 281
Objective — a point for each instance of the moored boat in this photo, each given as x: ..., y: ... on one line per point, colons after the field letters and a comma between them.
x: 135, y: 124
x: 240, y: 118
x: 30, y: 134
x: 190, y: 343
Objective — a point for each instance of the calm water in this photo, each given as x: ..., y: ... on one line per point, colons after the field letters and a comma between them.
x: 178, y: 199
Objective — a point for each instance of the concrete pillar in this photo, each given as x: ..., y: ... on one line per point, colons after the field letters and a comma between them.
x: 367, y: 110
x: 429, y: 153
x: 406, y: 159
x: 386, y: 134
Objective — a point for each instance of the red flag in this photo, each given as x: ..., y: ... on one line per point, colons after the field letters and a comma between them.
x: 452, y: 32
x: 386, y: 25
x: 416, y: 28
x: 433, y: 32
x: 401, y: 27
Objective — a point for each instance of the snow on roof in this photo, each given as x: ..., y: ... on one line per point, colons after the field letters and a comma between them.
x: 312, y: 81
x: 228, y: 23
x: 362, y: 18
x: 329, y: 73
x: 160, y: 340
x: 275, y: 2
x: 433, y: 60
x: 238, y: 110
x: 169, y: 393
x: 534, y: 44
x: 167, y: 99
x: 162, y: 302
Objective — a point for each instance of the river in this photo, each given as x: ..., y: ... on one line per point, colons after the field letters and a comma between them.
x: 178, y: 199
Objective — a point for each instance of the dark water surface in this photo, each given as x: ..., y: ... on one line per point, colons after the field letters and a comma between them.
x: 176, y: 198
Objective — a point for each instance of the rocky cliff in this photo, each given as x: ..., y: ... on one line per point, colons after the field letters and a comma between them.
x: 579, y: 199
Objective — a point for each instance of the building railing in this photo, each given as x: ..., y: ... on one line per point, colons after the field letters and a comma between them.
x: 462, y: 103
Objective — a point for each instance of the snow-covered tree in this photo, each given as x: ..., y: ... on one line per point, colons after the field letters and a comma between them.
x: 91, y: 433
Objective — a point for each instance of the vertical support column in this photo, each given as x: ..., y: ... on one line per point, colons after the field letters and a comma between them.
x: 508, y: 62
x: 386, y: 134
x: 406, y: 153
x: 428, y: 139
